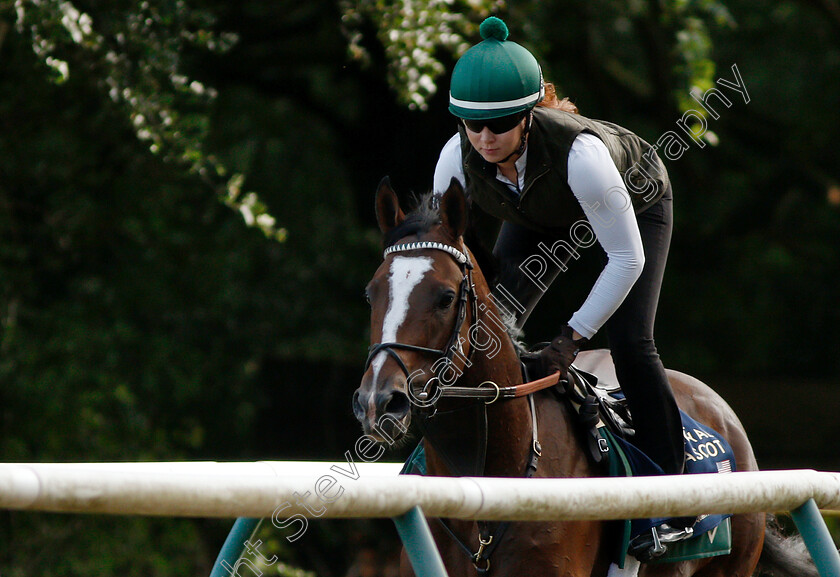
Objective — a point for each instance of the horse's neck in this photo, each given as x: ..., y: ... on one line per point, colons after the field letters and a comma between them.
x: 494, y: 357
x: 501, y: 367
x: 508, y: 422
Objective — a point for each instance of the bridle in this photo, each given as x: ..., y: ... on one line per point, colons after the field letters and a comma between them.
x: 466, y: 297
x: 488, y: 391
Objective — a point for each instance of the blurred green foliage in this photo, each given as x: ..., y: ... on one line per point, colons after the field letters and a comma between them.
x: 144, y: 320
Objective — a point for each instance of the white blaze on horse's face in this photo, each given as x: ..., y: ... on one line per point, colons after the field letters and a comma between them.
x: 405, y: 274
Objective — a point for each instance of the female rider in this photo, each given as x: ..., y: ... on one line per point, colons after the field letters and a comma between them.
x: 554, y: 178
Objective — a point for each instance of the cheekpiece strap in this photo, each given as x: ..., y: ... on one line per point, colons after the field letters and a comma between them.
x: 457, y: 254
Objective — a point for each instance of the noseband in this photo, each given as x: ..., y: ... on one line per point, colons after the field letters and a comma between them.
x: 466, y: 296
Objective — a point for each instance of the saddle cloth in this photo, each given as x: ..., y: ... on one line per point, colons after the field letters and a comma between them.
x: 706, y: 451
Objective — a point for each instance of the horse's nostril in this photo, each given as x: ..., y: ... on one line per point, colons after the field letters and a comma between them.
x: 398, y: 405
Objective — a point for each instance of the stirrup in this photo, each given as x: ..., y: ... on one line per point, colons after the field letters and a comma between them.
x: 652, y: 545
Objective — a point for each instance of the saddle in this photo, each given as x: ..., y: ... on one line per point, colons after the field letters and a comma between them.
x: 598, y: 404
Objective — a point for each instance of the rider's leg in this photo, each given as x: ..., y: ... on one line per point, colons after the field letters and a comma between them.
x: 638, y: 367
x: 515, y: 292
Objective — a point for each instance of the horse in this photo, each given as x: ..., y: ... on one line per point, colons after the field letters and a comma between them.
x: 427, y: 299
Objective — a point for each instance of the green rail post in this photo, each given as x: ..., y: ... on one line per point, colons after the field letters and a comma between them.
x: 243, y: 529
x: 419, y: 544
x: 814, y: 532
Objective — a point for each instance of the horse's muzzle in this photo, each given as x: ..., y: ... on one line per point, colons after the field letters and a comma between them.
x: 383, y: 412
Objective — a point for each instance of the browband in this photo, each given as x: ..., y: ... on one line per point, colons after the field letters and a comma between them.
x: 459, y: 256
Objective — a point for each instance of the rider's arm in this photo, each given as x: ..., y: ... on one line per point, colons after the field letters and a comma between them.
x: 449, y: 164
x: 598, y: 186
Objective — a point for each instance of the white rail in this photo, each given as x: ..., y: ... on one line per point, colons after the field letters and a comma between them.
x: 209, y: 489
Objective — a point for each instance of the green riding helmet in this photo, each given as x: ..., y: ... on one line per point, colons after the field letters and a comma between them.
x: 495, y: 77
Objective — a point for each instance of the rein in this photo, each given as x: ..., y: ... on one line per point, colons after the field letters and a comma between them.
x: 494, y: 392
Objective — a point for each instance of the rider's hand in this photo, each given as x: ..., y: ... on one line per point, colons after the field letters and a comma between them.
x: 560, y: 353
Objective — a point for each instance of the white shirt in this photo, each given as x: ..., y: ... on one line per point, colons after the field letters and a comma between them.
x: 596, y: 183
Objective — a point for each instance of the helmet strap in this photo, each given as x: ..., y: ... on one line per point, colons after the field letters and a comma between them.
x: 523, y: 141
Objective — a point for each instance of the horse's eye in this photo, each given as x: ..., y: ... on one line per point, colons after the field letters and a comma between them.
x: 367, y: 297
x: 446, y: 299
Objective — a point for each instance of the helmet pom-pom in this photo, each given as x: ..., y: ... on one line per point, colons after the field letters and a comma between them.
x: 493, y: 27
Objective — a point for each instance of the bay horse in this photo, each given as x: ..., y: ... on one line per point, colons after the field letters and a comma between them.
x: 427, y: 298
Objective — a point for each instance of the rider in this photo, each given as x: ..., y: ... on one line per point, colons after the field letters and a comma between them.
x: 554, y: 178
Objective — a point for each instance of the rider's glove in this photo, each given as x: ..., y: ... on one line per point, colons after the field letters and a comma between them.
x: 560, y: 353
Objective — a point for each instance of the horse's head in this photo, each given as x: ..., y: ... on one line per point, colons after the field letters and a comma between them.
x: 419, y: 298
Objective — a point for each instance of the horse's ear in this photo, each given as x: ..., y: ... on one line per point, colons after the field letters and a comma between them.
x: 453, y: 208
x: 388, y: 212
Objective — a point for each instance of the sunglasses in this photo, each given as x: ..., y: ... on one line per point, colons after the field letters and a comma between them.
x: 496, y: 125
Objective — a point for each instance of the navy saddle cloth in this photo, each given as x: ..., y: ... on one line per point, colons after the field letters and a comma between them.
x: 706, y: 451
